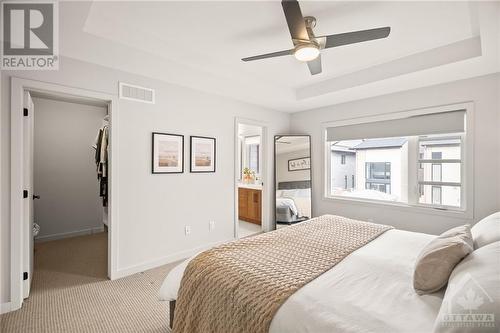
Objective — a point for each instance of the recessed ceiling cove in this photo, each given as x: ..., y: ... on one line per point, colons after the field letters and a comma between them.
x: 200, y: 45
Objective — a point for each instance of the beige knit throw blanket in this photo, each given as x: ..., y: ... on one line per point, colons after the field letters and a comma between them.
x: 239, y: 286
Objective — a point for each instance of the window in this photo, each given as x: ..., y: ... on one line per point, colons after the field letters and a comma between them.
x: 436, y: 195
x: 378, y: 176
x: 250, y: 154
x: 420, y: 166
x: 378, y: 170
x: 436, y: 155
x: 253, y: 157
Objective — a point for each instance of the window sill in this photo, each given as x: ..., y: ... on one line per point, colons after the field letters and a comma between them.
x: 454, y: 213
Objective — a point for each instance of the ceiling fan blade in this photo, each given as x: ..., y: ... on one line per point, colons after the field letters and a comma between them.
x: 269, y: 55
x: 356, y: 37
x: 295, y: 20
x: 315, y: 65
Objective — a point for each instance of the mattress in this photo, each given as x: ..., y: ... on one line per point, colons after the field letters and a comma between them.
x: 369, y: 291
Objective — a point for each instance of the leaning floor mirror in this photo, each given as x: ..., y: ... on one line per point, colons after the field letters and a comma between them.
x: 292, y: 172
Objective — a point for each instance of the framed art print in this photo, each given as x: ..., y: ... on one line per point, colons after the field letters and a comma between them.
x: 168, y: 153
x: 297, y: 164
x: 202, y: 154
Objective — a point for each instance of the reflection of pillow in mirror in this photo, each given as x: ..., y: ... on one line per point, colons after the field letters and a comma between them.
x: 289, y: 193
x: 304, y: 193
x: 279, y: 193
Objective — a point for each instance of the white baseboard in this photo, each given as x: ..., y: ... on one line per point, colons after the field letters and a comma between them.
x: 62, y: 235
x: 120, y: 273
x: 5, y: 307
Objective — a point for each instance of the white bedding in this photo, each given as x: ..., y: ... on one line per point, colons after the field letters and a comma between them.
x: 369, y: 291
x: 287, y: 203
x: 299, y: 201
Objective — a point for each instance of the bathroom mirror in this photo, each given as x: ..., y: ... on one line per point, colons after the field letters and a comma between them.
x: 292, y: 179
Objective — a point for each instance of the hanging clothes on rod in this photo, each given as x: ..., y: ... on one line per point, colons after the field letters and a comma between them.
x: 101, y: 159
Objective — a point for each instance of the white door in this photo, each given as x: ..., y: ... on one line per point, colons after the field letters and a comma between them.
x: 28, y: 216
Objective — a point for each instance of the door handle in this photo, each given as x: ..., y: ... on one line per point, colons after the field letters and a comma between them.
x: 36, y: 197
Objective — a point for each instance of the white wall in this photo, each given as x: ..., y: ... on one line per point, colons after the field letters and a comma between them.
x: 483, y: 91
x: 64, y: 168
x: 153, y: 209
x: 282, y: 173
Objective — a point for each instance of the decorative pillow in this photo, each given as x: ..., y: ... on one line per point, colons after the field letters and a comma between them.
x: 304, y: 193
x: 438, y: 258
x: 486, y: 231
x: 471, y: 303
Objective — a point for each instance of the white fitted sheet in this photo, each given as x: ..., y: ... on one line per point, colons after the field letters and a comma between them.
x: 369, y: 291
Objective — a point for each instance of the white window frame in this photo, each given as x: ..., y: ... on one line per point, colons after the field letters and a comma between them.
x: 466, y: 211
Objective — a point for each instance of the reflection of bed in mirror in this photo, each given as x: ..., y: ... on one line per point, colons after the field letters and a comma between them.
x: 292, y: 165
x: 293, y: 201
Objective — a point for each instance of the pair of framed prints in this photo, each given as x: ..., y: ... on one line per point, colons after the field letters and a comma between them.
x: 168, y: 153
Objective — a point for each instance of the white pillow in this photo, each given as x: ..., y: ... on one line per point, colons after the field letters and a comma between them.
x: 486, y: 231
x: 472, y: 300
x: 304, y: 193
x: 289, y: 193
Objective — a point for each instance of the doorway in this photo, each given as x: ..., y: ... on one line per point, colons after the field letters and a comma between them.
x: 250, y: 174
x: 52, y: 166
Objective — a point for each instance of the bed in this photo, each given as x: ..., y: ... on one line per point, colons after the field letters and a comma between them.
x: 293, y: 201
x: 370, y: 290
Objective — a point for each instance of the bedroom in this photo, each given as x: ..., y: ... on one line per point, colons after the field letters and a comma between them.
x: 440, y: 59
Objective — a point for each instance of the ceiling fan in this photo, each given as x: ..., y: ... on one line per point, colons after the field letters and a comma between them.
x: 307, y: 46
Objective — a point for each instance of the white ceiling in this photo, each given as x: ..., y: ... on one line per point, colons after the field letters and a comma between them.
x: 200, y: 44
x: 287, y: 144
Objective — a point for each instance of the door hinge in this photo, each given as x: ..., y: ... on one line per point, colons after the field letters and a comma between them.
x: 25, y: 276
x: 25, y: 112
x: 25, y: 194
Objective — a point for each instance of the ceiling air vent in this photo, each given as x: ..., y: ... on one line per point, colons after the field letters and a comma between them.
x: 137, y: 93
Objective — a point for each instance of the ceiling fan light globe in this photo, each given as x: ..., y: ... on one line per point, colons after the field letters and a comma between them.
x: 306, y: 52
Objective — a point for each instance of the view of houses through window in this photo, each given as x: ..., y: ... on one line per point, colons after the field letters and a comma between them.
x: 378, y: 169
x: 439, y: 174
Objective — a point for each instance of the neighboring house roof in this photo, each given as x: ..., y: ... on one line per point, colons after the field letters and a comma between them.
x: 381, y: 143
x: 342, y: 149
x: 449, y: 142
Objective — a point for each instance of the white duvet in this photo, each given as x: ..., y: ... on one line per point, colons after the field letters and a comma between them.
x: 369, y: 291
x: 298, y: 206
x: 287, y: 203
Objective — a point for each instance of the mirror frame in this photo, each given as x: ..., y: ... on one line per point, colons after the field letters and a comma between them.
x: 274, y: 172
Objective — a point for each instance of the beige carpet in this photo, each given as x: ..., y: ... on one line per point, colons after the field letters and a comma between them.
x: 70, y: 293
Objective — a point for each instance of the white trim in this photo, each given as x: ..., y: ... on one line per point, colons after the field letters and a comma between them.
x: 62, y: 235
x: 265, y: 177
x: 428, y: 182
x: 165, y: 260
x: 467, y: 196
x: 18, y: 86
x: 5, y: 307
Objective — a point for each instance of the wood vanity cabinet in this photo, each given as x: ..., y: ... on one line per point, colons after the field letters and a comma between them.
x: 250, y: 205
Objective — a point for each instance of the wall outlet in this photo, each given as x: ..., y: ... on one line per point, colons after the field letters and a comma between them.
x: 211, y: 225
x: 187, y: 230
